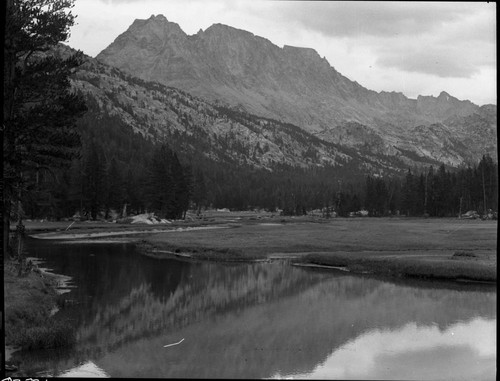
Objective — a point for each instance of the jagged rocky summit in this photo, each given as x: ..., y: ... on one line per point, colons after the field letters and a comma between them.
x: 234, y: 67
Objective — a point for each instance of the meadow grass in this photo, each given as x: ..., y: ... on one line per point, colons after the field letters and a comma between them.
x: 450, y: 248
x: 28, y: 324
x: 427, y: 248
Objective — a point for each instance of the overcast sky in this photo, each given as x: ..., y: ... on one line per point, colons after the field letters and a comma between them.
x: 416, y: 48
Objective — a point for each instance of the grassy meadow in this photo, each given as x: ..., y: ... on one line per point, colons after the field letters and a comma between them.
x: 440, y: 248
x: 446, y: 248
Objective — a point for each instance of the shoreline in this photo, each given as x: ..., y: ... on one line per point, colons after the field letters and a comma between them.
x: 438, y: 269
x: 445, y: 249
x: 30, y: 302
x: 442, y: 267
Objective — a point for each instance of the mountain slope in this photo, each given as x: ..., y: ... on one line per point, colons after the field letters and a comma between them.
x: 236, y: 68
x: 228, y: 134
x: 197, y: 127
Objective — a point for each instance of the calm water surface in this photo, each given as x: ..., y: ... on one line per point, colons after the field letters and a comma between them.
x: 266, y: 320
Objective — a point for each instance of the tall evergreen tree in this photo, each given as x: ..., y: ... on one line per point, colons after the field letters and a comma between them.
x: 114, y: 187
x: 94, y: 179
x: 76, y: 187
x: 39, y: 109
x: 181, y: 189
x: 487, y: 173
x: 199, y: 190
x: 160, y: 191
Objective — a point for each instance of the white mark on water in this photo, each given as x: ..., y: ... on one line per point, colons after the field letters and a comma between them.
x: 169, y: 345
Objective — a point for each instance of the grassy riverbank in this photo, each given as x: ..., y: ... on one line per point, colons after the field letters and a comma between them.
x: 28, y: 302
x: 67, y: 228
x: 427, y: 248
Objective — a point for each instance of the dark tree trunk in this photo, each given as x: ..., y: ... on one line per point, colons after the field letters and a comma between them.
x: 9, y: 76
x: 6, y: 228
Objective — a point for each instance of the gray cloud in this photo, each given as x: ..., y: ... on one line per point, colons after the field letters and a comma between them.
x: 443, y: 39
x: 343, y: 19
x: 446, y: 55
x: 430, y: 62
x: 426, y: 45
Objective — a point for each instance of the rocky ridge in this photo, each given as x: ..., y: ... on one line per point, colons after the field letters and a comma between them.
x: 231, y: 134
x: 233, y: 67
x: 195, y: 126
x: 221, y: 133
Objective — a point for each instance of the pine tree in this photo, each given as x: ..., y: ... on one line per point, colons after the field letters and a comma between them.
x: 370, y: 198
x: 39, y: 109
x: 168, y: 186
x: 199, y: 190
x: 94, y: 179
x: 441, y: 185
x: 158, y: 181
x: 488, y: 177
x: 181, y: 189
x: 114, y: 187
x: 408, y: 201
x: 75, y: 187
x: 186, y: 190
x: 136, y: 191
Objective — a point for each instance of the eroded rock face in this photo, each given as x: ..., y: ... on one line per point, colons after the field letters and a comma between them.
x: 296, y: 85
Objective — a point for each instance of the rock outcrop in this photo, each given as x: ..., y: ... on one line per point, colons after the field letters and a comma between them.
x: 233, y: 67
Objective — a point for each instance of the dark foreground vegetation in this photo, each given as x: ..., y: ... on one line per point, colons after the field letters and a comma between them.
x: 38, y: 135
x: 29, y: 300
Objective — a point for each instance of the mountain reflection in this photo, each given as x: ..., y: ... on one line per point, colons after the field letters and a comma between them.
x: 248, y: 321
x: 468, y: 351
x: 206, y: 290
x: 293, y: 333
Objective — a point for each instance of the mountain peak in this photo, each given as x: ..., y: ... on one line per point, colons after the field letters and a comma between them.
x: 444, y: 96
x: 290, y: 83
x: 159, y: 17
x: 158, y: 25
x: 222, y: 29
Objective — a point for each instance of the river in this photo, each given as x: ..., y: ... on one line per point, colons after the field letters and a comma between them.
x: 136, y: 316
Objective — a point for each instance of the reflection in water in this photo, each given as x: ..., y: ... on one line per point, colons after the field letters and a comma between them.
x: 463, y: 351
x: 87, y: 370
x: 261, y: 321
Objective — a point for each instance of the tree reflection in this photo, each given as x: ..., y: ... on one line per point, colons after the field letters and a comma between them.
x: 247, y: 320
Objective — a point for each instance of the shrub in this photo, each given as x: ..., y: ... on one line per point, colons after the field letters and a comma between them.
x: 30, y: 326
x: 52, y: 334
x: 464, y: 254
